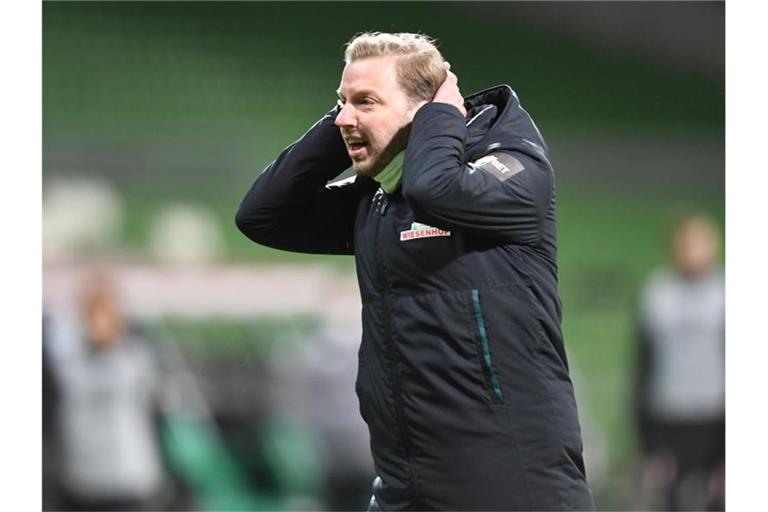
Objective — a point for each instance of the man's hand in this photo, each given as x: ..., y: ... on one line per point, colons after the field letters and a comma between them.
x: 449, y: 91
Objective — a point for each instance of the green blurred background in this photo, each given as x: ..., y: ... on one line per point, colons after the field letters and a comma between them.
x: 188, y: 101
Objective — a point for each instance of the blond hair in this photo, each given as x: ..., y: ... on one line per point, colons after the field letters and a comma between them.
x: 420, y: 69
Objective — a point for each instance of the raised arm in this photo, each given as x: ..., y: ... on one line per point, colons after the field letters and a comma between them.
x: 505, y: 193
x: 292, y: 207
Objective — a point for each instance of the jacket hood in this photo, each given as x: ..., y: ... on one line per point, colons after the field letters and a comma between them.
x: 496, y: 121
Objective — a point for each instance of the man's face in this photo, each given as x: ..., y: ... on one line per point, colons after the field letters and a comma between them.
x: 103, y: 319
x: 695, y: 248
x: 376, y: 113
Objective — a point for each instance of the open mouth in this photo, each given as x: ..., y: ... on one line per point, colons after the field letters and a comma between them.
x: 356, y: 146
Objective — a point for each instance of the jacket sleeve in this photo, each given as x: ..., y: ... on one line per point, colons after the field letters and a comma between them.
x: 292, y: 207
x: 508, y: 203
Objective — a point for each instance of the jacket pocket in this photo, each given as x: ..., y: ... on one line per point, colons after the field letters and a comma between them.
x: 520, y: 352
x: 437, y: 354
x: 491, y: 377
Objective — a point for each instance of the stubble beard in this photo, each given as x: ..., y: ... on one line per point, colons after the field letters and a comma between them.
x: 382, y: 160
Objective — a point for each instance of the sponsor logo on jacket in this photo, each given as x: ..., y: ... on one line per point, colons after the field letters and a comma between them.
x: 419, y: 230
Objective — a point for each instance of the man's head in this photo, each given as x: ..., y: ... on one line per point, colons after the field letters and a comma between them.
x: 387, y: 78
x: 104, y: 322
x: 695, y: 244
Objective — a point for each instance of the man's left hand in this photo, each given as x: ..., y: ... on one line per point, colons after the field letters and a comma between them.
x: 449, y: 92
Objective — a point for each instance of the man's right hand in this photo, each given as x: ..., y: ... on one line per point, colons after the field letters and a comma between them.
x: 449, y: 91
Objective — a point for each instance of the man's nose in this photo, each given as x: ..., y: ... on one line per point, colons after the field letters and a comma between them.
x: 346, y: 117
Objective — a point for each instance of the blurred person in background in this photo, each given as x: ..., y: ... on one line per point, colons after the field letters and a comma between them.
x: 462, y: 377
x: 103, y: 390
x: 680, y: 386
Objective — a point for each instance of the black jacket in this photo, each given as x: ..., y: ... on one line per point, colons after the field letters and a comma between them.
x: 463, y: 377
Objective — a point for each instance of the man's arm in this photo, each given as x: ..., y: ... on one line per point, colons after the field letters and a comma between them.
x: 505, y: 195
x: 291, y: 206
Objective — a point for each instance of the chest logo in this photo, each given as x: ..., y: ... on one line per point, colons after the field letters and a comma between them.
x: 419, y: 230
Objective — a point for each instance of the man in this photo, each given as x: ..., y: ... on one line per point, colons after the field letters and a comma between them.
x: 107, y: 386
x: 680, y: 386
x: 463, y: 378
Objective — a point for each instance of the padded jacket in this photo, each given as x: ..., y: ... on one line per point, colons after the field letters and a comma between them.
x: 463, y: 377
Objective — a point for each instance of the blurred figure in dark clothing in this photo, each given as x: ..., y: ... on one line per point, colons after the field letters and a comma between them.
x: 103, y: 390
x: 680, y: 387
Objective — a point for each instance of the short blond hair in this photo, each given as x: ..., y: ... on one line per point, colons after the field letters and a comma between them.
x: 420, y: 68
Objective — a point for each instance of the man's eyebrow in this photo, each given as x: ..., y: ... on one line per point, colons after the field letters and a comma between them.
x: 366, y: 92
x: 361, y: 92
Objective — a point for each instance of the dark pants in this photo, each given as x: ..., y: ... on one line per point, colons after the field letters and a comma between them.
x: 692, y: 444
x: 693, y: 447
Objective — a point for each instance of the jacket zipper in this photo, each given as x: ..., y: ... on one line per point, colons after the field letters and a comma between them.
x: 389, y: 340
